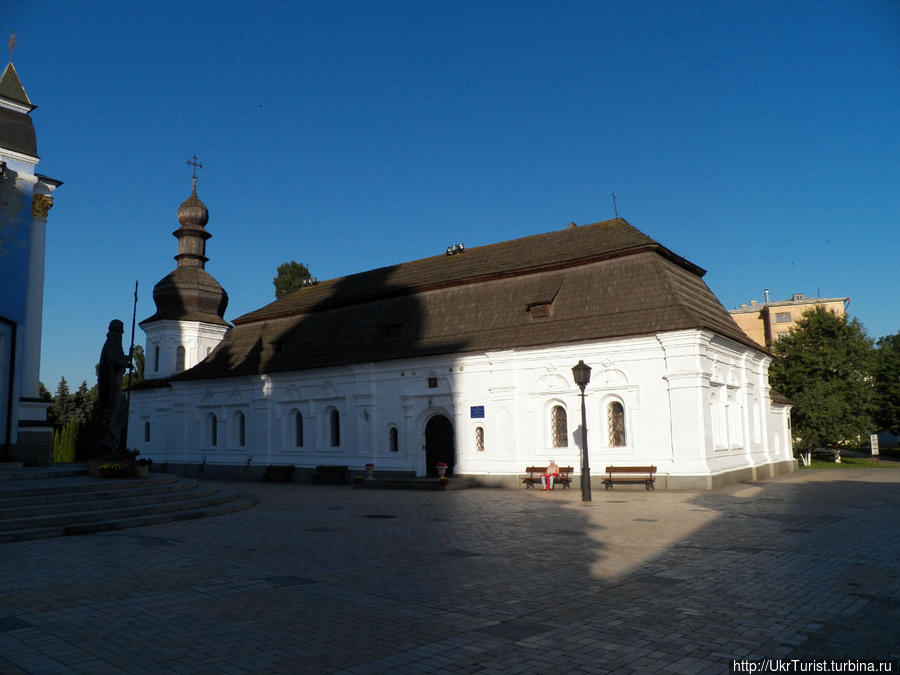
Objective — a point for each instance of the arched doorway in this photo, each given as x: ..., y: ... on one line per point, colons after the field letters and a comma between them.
x: 439, y: 445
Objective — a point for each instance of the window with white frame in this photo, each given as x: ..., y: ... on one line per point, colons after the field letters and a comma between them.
x: 179, y: 359
x: 212, y: 426
x: 393, y: 439
x: 298, y: 429
x: 479, y: 439
x: 559, y: 427
x: 334, y: 428
x: 615, y: 424
x: 240, y: 429
x: 146, y: 432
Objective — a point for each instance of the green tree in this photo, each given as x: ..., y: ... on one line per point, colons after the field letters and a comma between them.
x: 62, y: 405
x: 44, y: 393
x: 65, y: 441
x: 887, y: 383
x: 137, y: 374
x: 825, y: 365
x: 291, y: 277
x: 83, y: 404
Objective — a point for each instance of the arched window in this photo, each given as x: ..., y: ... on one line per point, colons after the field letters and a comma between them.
x: 179, y: 359
x: 615, y: 423
x: 146, y: 432
x: 298, y: 429
x: 240, y: 429
x: 334, y: 425
x: 559, y: 427
x: 394, y: 439
x: 479, y: 439
x: 213, y: 429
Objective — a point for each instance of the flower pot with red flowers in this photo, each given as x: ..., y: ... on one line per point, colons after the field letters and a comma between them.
x: 441, y: 469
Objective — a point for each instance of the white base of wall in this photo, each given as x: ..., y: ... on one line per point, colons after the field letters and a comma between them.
x: 506, y: 481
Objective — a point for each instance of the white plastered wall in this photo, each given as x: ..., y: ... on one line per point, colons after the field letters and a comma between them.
x: 695, y: 404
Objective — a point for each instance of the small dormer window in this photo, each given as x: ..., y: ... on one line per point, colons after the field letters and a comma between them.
x: 541, y: 311
x: 432, y: 383
x: 540, y: 294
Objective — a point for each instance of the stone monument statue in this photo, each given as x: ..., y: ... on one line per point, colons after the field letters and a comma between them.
x: 111, y: 405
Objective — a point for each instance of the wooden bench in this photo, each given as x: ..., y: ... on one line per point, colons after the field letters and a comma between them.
x: 535, y: 472
x: 330, y: 472
x: 630, y: 474
x: 279, y: 473
x: 834, y: 454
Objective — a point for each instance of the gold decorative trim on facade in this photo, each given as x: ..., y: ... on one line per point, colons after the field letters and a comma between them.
x: 41, y: 205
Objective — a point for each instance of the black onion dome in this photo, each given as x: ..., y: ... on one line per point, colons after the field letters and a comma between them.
x: 193, y: 213
x: 189, y: 294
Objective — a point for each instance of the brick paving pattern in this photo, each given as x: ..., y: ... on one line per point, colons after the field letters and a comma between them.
x: 319, y: 579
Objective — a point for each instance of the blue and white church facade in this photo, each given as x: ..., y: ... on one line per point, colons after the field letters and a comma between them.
x: 25, y: 202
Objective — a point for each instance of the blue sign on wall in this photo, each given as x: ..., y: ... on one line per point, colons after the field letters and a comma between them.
x: 476, y: 411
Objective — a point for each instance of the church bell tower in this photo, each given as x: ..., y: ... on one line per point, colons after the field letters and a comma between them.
x: 25, y: 202
x: 190, y: 305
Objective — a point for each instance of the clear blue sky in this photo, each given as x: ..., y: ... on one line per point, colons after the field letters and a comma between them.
x: 760, y: 140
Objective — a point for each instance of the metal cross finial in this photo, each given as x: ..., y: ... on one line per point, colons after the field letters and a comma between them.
x: 12, y: 44
x: 615, y: 208
x: 197, y: 165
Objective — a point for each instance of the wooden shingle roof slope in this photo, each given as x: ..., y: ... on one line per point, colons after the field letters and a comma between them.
x: 600, y: 281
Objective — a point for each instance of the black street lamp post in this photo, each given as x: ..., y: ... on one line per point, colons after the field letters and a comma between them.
x: 582, y: 375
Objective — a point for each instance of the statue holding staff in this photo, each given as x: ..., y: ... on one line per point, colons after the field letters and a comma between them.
x: 112, y: 413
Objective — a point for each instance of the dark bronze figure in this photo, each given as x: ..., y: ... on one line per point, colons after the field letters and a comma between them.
x: 111, y: 404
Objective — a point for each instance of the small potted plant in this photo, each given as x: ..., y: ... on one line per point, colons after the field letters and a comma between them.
x: 142, y: 466
x: 441, y: 469
x: 358, y: 480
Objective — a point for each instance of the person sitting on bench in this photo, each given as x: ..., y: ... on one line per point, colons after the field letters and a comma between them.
x: 551, y: 472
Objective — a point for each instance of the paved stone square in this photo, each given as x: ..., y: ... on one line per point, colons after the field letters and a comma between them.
x: 319, y: 579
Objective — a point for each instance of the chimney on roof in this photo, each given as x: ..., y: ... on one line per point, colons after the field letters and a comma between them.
x: 798, y: 297
x: 571, y: 226
x: 766, y: 293
x: 743, y: 305
x: 753, y: 303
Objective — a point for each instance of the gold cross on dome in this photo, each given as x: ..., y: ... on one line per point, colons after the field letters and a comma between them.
x: 12, y: 44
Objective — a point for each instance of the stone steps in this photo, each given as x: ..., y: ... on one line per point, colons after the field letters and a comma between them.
x: 46, y: 503
x: 15, y: 471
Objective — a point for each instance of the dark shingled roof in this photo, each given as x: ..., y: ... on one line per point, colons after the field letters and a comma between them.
x: 605, y: 280
x: 11, y: 87
x: 16, y: 128
x: 189, y: 294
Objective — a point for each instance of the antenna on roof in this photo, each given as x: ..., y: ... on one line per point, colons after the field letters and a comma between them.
x: 615, y: 208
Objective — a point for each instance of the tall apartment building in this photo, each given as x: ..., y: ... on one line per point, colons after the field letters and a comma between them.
x: 765, y: 323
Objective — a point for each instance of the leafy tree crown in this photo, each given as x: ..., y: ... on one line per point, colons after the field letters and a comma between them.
x: 291, y: 276
x: 825, y: 365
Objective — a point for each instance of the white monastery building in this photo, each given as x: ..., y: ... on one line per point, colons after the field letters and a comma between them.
x: 464, y: 358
